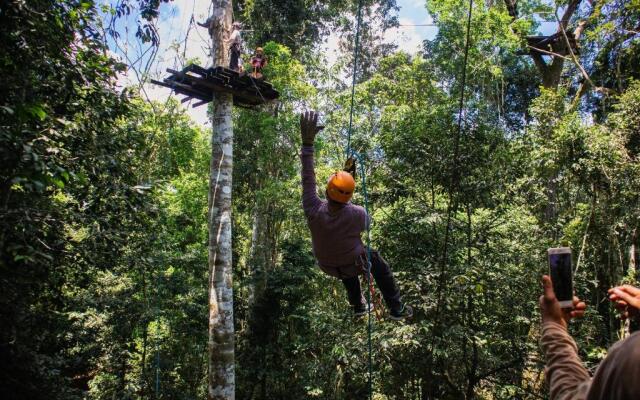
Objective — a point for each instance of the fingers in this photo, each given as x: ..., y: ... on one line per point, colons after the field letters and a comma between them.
x: 626, y: 297
x: 621, y: 305
x: 617, y: 296
x: 579, y: 308
x: 309, y: 119
x: 578, y: 305
x: 634, y: 291
x: 577, y: 313
x: 547, y: 287
x: 616, y: 299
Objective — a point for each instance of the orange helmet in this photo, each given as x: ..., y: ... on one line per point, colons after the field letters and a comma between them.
x: 340, y: 186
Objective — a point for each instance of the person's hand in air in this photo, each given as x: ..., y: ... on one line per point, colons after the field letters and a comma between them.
x: 550, y: 307
x: 309, y: 127
x: 626, y: 299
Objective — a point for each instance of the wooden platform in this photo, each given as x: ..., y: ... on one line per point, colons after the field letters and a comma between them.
x: 195, y: 82
x: 556, y: 43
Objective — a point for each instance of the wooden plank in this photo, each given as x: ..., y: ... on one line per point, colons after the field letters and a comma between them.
x: 210, y: 85
x: 181, y: 89
x: 246, y: 91
x: 180, y: 74
x: 259, y: 88
x: 200, y: 103
x: 195, y: 69
x: 185, y: 93
x: 190, y: 89
x: 183, y: 75
x: 226, y: 72
x: 242, y: 95
x: 155, y: 82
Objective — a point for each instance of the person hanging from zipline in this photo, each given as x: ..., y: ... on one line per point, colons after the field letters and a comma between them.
x: 336, y: 225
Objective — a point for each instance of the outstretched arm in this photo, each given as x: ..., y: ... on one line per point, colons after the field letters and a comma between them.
x: 308, y: 130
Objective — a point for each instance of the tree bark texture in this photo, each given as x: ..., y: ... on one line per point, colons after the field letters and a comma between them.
x: 262, y: 255
x: 221, y: 330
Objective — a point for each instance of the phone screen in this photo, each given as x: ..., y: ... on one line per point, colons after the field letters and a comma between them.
x: 560, y: 269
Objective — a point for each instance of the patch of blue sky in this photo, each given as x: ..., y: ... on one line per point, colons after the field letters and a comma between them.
x: 181, y: 39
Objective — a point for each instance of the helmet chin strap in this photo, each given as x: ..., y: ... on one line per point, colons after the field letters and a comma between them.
x: 332, y: 202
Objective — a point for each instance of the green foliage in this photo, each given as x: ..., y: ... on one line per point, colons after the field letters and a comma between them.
x: 300, y: 25
x: 103, y: 202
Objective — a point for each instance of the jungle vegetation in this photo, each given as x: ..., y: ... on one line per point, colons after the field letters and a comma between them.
x: 103, y: 202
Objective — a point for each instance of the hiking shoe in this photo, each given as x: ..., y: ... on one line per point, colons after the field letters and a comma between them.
x: 361, y: 310
x: 404, y: 313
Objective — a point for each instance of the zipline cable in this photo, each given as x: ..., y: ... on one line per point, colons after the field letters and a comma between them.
x: 349, y: 153
x: 356, y: 53
x: 157, y: 349
x: 454, y: 181
x: 368, y: 272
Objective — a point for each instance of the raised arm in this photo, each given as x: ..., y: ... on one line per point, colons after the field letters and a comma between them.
x: 567, y: 377
x: 308, y: 130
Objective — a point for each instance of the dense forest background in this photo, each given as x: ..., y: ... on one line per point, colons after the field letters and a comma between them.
x: 103, y: 202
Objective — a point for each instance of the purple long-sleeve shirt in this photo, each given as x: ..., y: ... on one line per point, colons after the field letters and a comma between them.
x: 335, y: 227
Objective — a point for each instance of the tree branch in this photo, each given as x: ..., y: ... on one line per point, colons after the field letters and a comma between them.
x: 561, y: 26
x: 568, y: 13
x: 512, y: 7
x: 540, y: 63
x: 551, y: 53
x: 579, y: 29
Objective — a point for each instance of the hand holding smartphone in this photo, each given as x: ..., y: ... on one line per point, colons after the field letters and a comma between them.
x: 561, y: 274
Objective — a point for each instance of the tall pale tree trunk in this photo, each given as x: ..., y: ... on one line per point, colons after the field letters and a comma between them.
x: 221, y: 333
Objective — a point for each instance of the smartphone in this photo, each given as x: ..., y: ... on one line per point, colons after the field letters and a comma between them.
x: 561, y: 275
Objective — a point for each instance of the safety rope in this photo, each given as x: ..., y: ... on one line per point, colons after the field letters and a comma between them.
x: 349, y: 154
x: 368, y: 272
x: 157, y: 349
x: 356, y: 53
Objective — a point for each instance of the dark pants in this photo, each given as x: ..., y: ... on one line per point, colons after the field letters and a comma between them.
x: 234, y: 57
x: 384, y: 279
